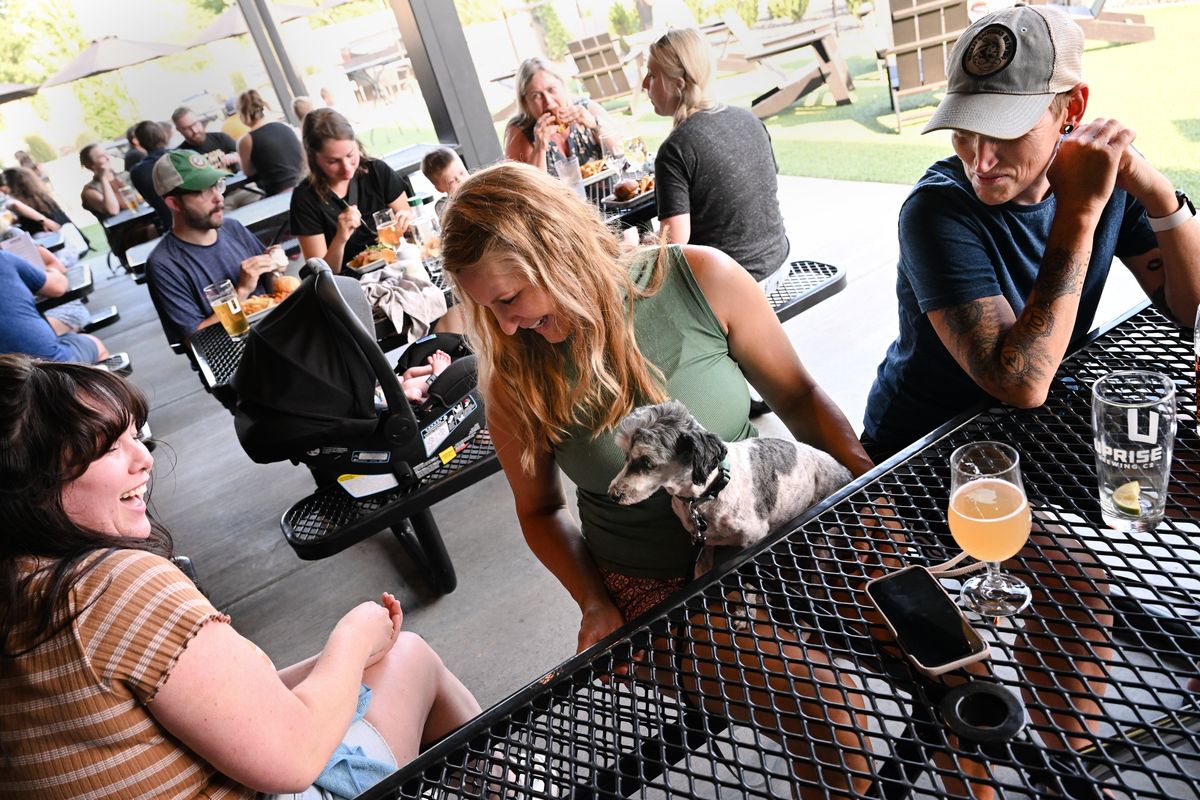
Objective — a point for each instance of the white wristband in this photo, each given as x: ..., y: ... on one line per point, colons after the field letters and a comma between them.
x: 1180, y: 216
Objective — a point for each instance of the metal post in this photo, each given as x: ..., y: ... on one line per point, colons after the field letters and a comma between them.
x: 289, y: 71
x: 254, y: 22
x: 437, y: 48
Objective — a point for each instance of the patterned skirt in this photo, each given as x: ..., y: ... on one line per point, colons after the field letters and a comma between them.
x: 635, y: 596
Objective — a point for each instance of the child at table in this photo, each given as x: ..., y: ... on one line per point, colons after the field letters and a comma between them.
x: 446, y: 171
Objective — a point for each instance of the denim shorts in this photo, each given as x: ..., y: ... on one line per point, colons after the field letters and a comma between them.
x: 82, y: 348
x: 360, y: 737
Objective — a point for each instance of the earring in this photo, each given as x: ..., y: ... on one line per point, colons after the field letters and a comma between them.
x: 1067, y: 128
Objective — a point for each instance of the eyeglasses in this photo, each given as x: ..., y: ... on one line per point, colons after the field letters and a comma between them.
x: 217, y: 188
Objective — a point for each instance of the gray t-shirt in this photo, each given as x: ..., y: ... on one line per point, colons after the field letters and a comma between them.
x: 718, y: 166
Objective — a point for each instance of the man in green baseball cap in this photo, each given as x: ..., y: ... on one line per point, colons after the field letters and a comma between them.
x: 1005, y: 246
x: 202, y: 247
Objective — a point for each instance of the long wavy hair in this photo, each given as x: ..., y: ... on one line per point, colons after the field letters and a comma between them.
x: 684, y: 53
x: 320, y: 126
x: 55, y: 420
x: 529, y: 70
x: 251, y: 106
x: 559, y: 244
x: 31, y: 190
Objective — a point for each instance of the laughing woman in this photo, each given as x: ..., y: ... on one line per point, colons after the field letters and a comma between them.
x: 121, y: 680
x: 570, y: 338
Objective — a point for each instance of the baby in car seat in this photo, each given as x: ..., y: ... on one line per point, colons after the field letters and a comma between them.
x: 416, y: 380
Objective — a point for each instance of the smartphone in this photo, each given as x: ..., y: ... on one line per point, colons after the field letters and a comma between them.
x: 929, y: 627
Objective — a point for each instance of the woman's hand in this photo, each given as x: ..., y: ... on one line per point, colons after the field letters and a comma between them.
x: 577, y: 115
x: 397, y: 616
x: 544, y: 131
x: 348, y: 222
x: 374, y: 624
x: 49, y: 225
x: 600, y: 618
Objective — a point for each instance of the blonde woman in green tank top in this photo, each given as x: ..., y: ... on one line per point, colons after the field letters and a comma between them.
x: 571, y: 335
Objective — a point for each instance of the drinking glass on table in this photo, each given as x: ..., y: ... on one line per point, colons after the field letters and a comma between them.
x: 614, y: 154
x: 387, y: 228
x: 228, y: 307
x: 989, y: 518
x: 1133, y: 428
x: 635, y: 154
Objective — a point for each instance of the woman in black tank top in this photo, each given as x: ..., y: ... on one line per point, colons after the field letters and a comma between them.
x: 270, y: 152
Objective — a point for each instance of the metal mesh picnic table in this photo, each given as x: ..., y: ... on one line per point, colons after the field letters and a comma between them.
x: 1121, y: 608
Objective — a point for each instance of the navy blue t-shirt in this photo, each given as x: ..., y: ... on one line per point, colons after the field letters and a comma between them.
x: 142, y: 178
x: 954, y: 249
x: 22, y: 328
x: 177, y: 272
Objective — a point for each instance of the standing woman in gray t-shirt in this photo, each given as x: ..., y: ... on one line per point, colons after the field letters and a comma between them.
x: 715, y: 175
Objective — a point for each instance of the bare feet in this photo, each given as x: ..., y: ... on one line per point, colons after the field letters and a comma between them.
x: 439, y: 361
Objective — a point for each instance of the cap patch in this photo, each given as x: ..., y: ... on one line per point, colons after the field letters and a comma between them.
x: 992, y: 49
x: 198, y: 161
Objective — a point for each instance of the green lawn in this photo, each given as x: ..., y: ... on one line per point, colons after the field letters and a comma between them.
x: 1148, y: 86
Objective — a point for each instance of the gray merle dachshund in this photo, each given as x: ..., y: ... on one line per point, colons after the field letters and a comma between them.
x: 725, y: 494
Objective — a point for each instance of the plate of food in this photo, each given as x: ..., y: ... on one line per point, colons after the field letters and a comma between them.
x: 370, y: 259
x: 630, y: 191
x: 257, y: 306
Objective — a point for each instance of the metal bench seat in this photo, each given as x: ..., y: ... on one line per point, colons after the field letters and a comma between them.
x: 807, y: 283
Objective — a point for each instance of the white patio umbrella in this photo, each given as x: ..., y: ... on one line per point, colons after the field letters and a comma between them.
x: 230, y: 22
x: 108, y: 54
x: 15, y: 91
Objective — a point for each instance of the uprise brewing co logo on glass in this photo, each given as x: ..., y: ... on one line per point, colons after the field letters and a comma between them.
x: 1123, y: 457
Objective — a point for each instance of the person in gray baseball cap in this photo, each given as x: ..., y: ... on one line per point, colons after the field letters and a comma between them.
x: 1005, y: 246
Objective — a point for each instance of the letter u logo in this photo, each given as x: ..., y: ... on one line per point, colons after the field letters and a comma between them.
x: 1135, y: 435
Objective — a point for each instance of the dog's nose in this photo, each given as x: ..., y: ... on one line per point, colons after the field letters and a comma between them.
x: 615, y: 494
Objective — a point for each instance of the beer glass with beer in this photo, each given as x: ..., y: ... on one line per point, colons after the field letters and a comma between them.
x: 388, y: 230
x: 228, y: 307
x: 989, y: 518
x: 1133, y: 425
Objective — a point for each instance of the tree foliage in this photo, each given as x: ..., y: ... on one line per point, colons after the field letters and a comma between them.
x: 553, y: 30
x: 787, y: 9
x: 623, y: 20
x: 37, y: 38
x: 708, y: 10
x: 107, y: 106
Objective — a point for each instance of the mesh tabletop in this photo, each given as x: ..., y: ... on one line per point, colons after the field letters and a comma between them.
x: 1118, y: 608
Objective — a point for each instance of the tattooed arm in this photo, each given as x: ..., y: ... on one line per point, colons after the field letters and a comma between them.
x: 1014, y: 358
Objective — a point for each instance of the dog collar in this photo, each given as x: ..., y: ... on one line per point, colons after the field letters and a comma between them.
x: 699, y: 523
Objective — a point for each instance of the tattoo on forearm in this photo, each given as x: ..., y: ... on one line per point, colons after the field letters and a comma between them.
x: 1060, y: 274
x: 965, y: 318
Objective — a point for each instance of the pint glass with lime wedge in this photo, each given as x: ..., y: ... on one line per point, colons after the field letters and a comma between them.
x: 1133, y: 427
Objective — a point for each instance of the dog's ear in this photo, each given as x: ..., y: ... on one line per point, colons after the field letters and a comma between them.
x: 704, y: 450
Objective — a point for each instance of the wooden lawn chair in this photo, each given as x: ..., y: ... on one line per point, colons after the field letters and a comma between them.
x: 923, y: 37
x: 602, y: 72
x: 830, y: 69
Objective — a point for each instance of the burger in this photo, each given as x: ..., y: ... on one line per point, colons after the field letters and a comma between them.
x: 626, y: 189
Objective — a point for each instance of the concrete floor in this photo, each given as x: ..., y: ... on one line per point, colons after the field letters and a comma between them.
x: 509, y: 622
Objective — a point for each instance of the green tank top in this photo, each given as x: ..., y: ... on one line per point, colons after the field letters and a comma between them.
x: 678, y: 332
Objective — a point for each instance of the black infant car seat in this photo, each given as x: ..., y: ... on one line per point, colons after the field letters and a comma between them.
x: 306, y: 390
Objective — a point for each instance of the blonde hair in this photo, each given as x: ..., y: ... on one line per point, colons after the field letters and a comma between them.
x: 529, y: 70
x: 684, y: 53
x: 559, y: 244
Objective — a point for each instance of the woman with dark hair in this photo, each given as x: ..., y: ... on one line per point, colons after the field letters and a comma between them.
x: 270, y: 151
x: 102, y: 194
x: 332, y: 208
x: 36, y: 208
x: 121, y: 679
